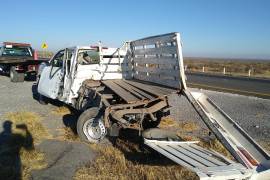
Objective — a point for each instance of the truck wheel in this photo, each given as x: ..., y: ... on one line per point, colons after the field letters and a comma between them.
x: 15, y: 76
x: 90, y: 126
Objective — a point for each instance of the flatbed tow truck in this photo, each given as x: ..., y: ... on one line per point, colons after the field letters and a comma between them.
x: 18, y: 60
x: 128, y: 87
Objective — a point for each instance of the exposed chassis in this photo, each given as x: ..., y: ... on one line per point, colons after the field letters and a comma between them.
x: 126, y: 103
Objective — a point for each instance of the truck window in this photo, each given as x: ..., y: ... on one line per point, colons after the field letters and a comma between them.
x: 17, y: 51
x: 57, y: 61
x: 88, y: 57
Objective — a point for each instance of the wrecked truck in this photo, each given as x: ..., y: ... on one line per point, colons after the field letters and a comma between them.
x: 128, y: 87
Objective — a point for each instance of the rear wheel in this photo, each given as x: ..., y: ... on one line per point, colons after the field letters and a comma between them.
x: 90, y: 126
x: 15, y: 76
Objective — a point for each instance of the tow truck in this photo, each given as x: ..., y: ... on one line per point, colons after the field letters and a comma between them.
x: 128, y: 87
x: 18, y: 60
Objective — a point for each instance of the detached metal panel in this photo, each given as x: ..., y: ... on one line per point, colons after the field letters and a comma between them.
x: 244, y: 149
x: 207, y: 164
x: 158, y: 59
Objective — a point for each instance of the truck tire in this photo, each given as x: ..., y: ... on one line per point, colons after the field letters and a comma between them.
x: 15, y: 76
x: 90, y: 126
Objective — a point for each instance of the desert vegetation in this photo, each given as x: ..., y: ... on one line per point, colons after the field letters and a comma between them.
x: 257, y: 68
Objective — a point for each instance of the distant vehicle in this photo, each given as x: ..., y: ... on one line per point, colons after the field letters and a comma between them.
x: 18, y: 60
x: 128, y: 87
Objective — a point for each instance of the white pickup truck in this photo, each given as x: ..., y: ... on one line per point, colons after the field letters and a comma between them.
x: 128, y: 87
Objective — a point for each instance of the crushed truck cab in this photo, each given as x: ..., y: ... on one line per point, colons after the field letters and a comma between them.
x: 128, y: 87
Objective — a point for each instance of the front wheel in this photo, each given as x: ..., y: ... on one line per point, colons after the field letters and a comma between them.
x: 15, y: 76
x: 90, y: 126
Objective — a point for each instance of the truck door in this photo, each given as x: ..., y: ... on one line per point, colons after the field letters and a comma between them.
x: 51, y: 79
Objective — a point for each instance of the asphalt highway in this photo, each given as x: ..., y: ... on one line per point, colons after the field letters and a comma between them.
x: 257, y: 87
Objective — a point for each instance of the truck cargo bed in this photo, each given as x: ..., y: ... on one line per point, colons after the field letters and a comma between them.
x: 133, y: 91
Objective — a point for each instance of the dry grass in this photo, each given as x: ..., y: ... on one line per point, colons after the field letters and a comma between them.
x: 18, y: 155
x: 68, y: 135
x: 33, y: 122
x: 61, y: 111
x: 45, y: 54
x: 216, y: 146
x: 128, y: 162
x: 125, y: 160
x: 187, y: 126
x: 168, y: 122
x: 233, y: 67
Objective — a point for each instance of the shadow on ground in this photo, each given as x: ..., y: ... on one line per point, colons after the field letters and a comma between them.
x: 10, y: 145
x: 70, y: 121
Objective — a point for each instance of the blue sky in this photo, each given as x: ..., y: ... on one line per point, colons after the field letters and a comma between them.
x: 209, y: 28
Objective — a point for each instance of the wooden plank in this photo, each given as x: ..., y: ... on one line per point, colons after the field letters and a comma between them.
x: 161, y: 72
x: 153, y: 51
x: 133, y: 88
x: 160, y: 60
x: 155, y: 90
x: 167, y: 82
x: 130, y: 90
x: 144, y: 87
x: 120, y: 91
x: 153, y: 39
x: 156, y: 86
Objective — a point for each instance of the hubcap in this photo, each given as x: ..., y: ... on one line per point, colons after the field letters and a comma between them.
x: 94, y: 129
